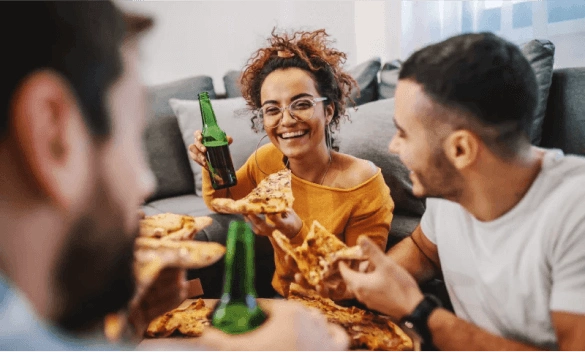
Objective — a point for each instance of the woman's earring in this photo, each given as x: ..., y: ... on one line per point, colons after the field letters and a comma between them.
x: 328, y: 139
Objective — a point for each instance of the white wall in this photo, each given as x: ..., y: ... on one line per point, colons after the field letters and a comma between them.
x: 211, y: 37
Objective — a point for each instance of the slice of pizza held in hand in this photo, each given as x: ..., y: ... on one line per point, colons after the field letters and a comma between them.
x: 151, y: 255
x: 272, y: 195
x: 173, y: 227
x: 319, y: 255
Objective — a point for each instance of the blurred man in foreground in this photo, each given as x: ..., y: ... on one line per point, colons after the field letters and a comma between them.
x: 73, y: 174
x: 505, y: 221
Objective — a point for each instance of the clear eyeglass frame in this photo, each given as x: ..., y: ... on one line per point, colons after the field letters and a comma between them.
x: 290, y: 107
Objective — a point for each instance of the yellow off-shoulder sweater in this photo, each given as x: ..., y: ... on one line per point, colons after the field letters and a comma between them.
x: 365, y: 209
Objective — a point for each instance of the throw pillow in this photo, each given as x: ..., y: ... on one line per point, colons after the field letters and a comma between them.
x: 540, y: 53
x: 366, y: 75
x: 167, y: 158
x: 367, y: 136
x: 389, y: 79
x: 231, y: 82
x: 232, y: 116
x: 187, y: 88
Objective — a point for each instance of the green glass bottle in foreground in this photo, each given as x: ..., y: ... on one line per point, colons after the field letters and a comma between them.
x: 238, y: 311
x: 219, y: 159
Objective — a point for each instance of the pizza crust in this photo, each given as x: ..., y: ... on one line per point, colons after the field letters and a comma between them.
x: 173, y: 227
x: 272, y: 195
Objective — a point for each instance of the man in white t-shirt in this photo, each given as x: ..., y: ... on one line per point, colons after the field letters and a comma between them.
x: 505, y: 221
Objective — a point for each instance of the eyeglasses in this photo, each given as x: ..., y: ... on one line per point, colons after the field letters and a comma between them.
x: 301, y: 109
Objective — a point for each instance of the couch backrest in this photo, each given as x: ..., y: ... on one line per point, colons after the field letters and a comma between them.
x: 564, y: 123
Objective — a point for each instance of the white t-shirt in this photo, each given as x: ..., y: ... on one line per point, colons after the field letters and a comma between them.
x: 508, y: 274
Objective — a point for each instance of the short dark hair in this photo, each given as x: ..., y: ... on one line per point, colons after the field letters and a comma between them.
x: 484, y: 76
x: 79, y: 40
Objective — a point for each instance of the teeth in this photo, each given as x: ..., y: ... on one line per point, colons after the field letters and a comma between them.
x: 292, y: 134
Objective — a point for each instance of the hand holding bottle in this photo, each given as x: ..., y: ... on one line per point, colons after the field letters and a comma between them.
x: 197, y: 150
x: 289, y: 327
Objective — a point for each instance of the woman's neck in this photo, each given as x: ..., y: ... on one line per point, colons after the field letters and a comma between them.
x: 313, y: 167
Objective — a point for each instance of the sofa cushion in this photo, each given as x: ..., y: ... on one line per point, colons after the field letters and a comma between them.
x: 540, y: 53
x: 168, y: 158
x: 366, y: 75
x: 187, y: 204
x: 231, y: 82
x: 232, y: 116
x: 367, y: 136
x: 187, y: 88
x: 389, y: 79
x: 564, y: 125
x: 402, y: 226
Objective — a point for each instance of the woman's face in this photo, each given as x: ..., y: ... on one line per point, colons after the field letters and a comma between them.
x: 294, y: 138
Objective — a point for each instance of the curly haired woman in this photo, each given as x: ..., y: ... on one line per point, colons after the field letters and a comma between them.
x: 299, y: 90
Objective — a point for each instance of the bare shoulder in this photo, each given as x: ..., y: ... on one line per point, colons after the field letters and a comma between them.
x: 352, y: 171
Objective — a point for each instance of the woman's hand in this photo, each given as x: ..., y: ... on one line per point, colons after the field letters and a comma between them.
x: 288, y: 223
x: 197, y: 150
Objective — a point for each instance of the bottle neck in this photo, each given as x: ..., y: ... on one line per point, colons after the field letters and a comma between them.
x: 207, y: 114
x: 212, y: 135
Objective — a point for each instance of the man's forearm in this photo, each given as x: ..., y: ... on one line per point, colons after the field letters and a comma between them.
x: 452, y: 333
x: 407, y: 254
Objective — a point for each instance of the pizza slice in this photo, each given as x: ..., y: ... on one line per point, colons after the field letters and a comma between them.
x: 319, y: 255
x: 189, y: 321
x: 173, y: 227
x: 151, y: 255
x: 272, y: 195
x: 367, y: 330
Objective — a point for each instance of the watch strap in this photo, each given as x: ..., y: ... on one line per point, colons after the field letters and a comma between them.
x: 418, y: 319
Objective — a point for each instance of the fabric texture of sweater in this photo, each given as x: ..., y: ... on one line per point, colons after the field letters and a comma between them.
x: 365, y: 209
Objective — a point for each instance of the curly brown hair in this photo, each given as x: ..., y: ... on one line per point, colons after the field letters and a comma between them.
x: 309, y: 51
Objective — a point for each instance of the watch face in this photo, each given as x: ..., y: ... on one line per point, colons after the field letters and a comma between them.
x: 409, y: 329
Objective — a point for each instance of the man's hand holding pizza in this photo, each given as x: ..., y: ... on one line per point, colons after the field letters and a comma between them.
x: 333, y: 289
x: 164, y: 294
x: 387, y: 288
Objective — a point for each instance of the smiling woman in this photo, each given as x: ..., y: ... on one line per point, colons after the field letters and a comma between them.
x: 298, y: 89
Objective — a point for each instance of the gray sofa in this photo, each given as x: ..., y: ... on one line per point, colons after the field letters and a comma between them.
x: 366, y: 135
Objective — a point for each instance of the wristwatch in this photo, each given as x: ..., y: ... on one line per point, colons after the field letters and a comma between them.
x: 417, y: 322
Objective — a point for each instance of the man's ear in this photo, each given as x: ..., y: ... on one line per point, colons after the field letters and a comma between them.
x: 52, y: 137
x: 461, y: 148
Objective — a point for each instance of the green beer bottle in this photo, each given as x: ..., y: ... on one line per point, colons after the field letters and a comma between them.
x: 219, y: 159
x: 237, y: 311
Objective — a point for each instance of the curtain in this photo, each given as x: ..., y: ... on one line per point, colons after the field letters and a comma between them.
x: 412, y: 24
